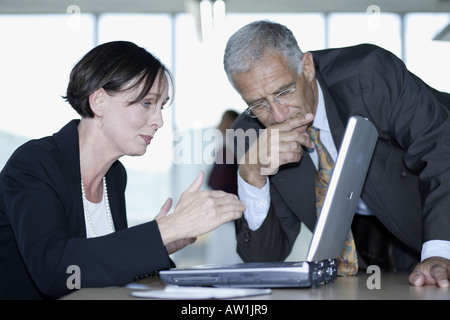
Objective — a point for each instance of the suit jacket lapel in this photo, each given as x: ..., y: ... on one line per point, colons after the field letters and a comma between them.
x: 295, y: 184
x: 68, y: 145
x: 116, y: 198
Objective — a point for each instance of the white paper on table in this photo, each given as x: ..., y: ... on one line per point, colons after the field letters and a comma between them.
x: 194, y: 293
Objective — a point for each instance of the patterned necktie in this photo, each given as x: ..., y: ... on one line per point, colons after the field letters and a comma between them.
x: 347, y: 260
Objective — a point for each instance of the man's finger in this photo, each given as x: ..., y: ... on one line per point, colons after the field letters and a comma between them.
x: 439, y: 273
x: 294, y: 122
x: 290, y: 138
x: 417, y: 278
x: 299, y: 121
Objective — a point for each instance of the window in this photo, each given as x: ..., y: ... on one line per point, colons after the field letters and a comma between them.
x: 383, y: 29
x: 425, y: 57
x: 36, y: 59
x: 202, y: 86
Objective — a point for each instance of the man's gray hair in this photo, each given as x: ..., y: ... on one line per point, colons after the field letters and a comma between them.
x: 247, y: 46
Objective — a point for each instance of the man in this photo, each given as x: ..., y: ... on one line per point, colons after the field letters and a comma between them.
x: 403, y: 218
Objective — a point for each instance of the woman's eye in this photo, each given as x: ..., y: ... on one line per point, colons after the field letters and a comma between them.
x: 147, y: 104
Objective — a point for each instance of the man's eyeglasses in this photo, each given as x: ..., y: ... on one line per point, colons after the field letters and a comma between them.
x: 281, y: 98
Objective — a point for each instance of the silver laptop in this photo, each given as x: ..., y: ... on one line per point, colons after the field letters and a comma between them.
x: 329, y: 234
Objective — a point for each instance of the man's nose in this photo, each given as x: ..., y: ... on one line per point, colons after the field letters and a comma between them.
x: 279, y: 111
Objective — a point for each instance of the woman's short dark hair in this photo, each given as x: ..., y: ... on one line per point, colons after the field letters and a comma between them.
x: 112, y: 66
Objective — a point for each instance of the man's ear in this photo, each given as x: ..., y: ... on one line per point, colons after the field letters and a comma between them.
x: 308, y: 69
x: 96, y: 102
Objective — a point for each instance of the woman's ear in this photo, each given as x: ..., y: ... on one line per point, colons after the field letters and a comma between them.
x: 96, y: 102
x: 308, y: 69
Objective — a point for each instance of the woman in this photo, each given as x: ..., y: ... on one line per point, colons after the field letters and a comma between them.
x: 62, y: 200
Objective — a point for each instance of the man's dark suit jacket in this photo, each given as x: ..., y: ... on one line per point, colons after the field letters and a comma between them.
x: 42, y: 225
x: 408, y: 183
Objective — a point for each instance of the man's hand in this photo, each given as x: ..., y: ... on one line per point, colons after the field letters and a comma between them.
x: 279, y: 144
x: 434, y: 271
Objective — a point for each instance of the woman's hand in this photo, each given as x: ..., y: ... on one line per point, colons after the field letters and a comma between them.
x: 178, y: 244
x: 197, y: 213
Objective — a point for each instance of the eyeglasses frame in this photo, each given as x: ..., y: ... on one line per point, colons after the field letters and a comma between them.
x: 249, y: 112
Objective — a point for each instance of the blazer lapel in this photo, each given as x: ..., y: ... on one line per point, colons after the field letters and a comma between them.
x: 68, y: 144
x: 116, y: 198
x: 295, y: 184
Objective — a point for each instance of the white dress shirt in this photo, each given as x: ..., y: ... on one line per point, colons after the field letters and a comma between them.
x: 257, y: 200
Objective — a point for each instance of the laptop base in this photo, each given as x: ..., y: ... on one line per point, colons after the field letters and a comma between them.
x: 254, y: 275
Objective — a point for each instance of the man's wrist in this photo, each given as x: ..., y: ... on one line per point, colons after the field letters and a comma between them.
x: 436, y: 248
x: 252, y: 175
x: 257, y: 201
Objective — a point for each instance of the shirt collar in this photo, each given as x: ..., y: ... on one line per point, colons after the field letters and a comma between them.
x: 320, y: 119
